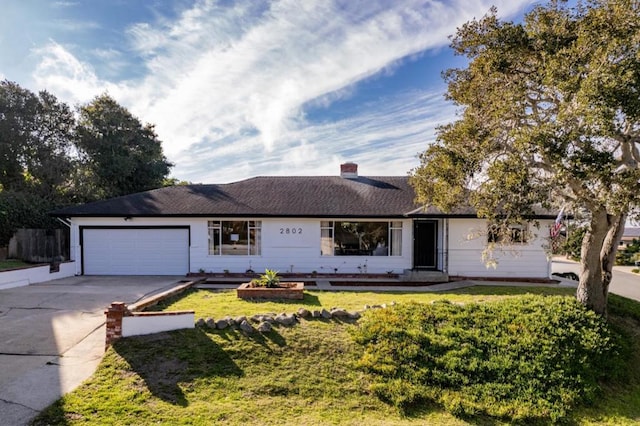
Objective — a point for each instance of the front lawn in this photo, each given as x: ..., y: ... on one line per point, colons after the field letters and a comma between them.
x: 220, y: 303
x: 317, y: 373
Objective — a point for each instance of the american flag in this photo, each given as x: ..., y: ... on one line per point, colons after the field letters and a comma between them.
x: 555, y: 230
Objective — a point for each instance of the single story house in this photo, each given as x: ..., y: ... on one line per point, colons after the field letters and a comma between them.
x: 327, y: 224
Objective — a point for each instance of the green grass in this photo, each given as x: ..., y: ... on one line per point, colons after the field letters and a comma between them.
x: 12, y: 264
x: 220, y: 303
x: 302, y: 375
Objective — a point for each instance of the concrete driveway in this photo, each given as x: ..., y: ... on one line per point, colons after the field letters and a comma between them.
x: 52, y: 337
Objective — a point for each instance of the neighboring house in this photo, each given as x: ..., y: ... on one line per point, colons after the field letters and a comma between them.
x: 343, y: 224
x: 629, y: 235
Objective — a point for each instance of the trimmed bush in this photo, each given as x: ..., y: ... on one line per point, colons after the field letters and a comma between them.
x: 523, y: 359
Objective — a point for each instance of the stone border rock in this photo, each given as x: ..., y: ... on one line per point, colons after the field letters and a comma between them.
x: 265, y: 322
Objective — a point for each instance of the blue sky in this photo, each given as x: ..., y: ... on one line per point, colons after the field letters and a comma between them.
x: 246, y: 88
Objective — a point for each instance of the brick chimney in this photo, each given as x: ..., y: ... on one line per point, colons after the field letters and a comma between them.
x: 349, y: 170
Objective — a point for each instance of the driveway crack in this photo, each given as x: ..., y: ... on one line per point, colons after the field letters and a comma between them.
x: 19, y: 405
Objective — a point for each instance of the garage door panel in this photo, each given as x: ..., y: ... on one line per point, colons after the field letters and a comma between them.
x: 149, y: 251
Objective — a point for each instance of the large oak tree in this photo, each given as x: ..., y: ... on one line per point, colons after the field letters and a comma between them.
x: 549, y: 115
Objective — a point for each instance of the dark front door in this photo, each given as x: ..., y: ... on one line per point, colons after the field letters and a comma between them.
x: 425, y: 237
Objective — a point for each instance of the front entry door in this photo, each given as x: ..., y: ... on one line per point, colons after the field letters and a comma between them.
x: 425, y: 237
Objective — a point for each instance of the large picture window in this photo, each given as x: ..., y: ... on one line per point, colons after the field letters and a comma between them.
x: 360, y: 238
x: 235, y: 238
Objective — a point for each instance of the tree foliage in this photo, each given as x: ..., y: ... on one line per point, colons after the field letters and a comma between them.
x: 36, y: 134
x: 48, y: 159
x: 549, y: 115
x: 123, y: 155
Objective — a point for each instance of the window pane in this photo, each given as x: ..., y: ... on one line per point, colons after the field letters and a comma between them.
x: 235, y: 238
x: 255, y: 241
x: 214, y: 238
x: 326, y: 241
x: 512, y: 234
x: 361, y: 238
x: 396, y: 242
x: 396, y: 224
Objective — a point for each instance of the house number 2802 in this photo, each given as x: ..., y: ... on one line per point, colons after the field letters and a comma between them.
x: 288, y: 231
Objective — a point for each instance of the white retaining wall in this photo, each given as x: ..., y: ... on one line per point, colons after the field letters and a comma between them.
x: 36, y: 274
x: 156, y: 322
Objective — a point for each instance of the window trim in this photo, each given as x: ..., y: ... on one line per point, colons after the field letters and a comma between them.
x: 254, y: 249
x: 520, y: 229
x: 391, y: 249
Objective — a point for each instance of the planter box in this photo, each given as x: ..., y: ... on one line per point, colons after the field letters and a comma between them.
x: 285, y: 291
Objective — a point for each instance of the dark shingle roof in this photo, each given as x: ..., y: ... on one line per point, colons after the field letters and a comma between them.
x: 316, y: 196
x: 284, y: 196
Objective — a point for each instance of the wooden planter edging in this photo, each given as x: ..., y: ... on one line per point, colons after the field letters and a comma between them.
x: 285, y: 291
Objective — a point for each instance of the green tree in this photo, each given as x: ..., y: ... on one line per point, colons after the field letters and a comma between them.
x: 17, y: 120
x: 35, y: 142
x: 120, y: 155
x: 549, y: 115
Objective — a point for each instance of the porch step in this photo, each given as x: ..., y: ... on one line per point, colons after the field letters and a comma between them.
x: 424, y: 276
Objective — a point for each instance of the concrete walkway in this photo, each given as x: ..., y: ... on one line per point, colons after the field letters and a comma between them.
x: 52, y: 337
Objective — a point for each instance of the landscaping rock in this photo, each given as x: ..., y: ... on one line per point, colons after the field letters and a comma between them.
x: 210, y: 322
x: 200, y: 322
x: 303, y: 313
x: 366, y: 307
x: 316, y: 314
x: 265, y: 327
x: 222, y: 324
x: 239, y: 320
x: 325, y: 314
x: 339, y: 313
x: 354, y: 315
x: 285, y: 319
x: 246, y: 327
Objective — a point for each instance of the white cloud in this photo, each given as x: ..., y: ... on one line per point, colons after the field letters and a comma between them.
x: 383, y: 137
x: 70, y: 79
x: 231, y: 81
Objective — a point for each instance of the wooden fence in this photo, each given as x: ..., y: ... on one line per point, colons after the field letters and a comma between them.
x: 40, y: 245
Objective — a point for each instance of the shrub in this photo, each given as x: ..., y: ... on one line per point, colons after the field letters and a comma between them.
x: 523, y: 359
x: 269, y: 279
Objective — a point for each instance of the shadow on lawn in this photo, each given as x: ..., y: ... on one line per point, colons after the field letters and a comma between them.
x: 310, y: 300
x: 263, y: 339
x: 164, y: 360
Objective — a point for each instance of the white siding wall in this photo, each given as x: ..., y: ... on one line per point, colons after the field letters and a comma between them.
x: 299, y: 252
x: 302, y: 250
x: 521, y: 260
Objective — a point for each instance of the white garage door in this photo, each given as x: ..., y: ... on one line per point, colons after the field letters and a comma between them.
x: 133, y: 251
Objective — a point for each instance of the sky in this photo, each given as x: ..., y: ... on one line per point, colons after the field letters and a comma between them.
x: 247, y: 88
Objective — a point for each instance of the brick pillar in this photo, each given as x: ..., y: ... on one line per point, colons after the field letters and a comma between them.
x: 114, y: 314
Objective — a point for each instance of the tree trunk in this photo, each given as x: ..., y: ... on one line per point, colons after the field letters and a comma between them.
x: 599, y: 248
